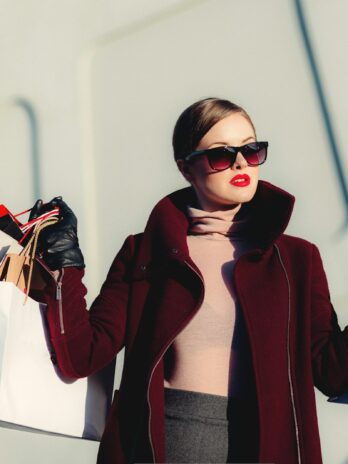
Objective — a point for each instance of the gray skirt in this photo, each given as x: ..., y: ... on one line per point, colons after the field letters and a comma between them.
x: 206, y: 428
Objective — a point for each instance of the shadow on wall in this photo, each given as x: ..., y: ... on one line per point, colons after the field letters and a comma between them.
x: 31, y: 117
x: 336, y: 154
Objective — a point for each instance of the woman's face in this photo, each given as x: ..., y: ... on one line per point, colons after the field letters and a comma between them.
x: 213, y: 188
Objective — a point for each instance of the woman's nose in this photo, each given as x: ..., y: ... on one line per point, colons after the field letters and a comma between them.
x: 240, y: 162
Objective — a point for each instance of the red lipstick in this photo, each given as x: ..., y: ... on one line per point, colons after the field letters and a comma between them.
x: 243, y: 182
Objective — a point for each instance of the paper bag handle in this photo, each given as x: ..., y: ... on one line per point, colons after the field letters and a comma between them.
x: 13, y: 267
x: 31, y: 247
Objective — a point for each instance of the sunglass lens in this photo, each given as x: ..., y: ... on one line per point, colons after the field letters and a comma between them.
x: 219, y: 158
x: 255, y: 154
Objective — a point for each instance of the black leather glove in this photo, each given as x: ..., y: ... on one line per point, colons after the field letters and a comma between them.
x: 58, y: 243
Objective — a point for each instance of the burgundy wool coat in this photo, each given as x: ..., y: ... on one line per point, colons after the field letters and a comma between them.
x: 152, y: 291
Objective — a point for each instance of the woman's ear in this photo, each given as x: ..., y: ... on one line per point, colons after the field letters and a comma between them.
x: 184, y: 168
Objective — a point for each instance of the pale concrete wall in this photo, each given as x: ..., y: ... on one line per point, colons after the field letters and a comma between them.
x: 105, y: 78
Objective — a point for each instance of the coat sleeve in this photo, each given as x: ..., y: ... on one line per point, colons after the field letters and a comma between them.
x: 85, y: 341
x: 329, y: 344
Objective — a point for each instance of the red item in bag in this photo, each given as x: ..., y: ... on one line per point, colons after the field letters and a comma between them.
x: 9, y: 224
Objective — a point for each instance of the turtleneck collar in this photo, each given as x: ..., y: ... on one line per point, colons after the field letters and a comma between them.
x: 220, y: 224
x: 165, y: 234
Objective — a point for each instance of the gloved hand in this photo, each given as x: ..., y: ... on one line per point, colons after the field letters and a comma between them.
x: 58, y: 243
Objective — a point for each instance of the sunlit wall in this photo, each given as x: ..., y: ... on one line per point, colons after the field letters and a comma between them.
x: 89, y: 94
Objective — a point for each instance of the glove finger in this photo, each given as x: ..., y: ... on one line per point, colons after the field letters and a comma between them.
x: 72, y: 257
x: 53, y: 203
x: 41, y: 208
x: 49, y: 234
x: 68, y: 217
x: 36, y: 210
x: 57, y: 242
x: 58, y: 237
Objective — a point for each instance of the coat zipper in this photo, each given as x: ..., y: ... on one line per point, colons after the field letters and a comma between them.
x: 60, y: 300
x: 162, y: 354
x: 58, y: 292
x: 289, y: 360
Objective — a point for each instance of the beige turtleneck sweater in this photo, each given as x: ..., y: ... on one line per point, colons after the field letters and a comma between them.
x: 211, y: 354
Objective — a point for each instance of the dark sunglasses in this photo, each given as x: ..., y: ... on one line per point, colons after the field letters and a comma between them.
x: 221, y: 158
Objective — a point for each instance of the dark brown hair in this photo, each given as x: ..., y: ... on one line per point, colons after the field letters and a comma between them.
x: 196, y: 120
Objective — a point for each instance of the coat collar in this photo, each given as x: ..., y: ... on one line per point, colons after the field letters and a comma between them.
x: 166, y: 229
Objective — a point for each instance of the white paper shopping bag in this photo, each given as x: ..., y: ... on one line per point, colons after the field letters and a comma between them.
x: 33, y: 393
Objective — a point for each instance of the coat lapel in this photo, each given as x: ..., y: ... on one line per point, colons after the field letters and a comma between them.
x: 168, y: 223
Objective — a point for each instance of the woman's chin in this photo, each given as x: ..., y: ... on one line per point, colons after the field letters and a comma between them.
x: 239, y: 197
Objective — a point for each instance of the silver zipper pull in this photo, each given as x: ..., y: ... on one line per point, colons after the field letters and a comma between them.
x: 59, y: 291
x: 59, y: 285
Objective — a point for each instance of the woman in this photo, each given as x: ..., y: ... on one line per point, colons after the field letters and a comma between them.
x: 226, y: 321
